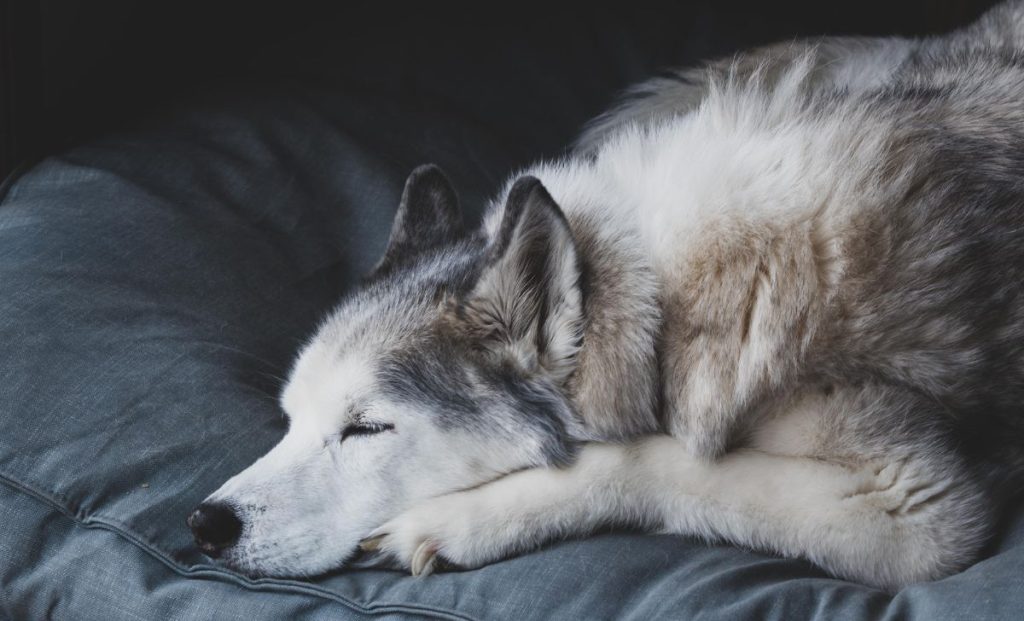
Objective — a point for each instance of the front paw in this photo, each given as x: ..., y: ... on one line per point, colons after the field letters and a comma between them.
x: 444, y: 531
x: 416, y: 554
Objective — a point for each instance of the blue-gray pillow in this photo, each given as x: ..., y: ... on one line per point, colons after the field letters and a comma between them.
x: 153, y: 288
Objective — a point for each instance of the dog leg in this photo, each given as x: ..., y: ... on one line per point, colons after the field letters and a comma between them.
x: 739, y: 324
x: 885, y: 525
x: 513, y: 514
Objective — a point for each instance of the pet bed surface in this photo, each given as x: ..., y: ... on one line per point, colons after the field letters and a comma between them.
x: 154, y: 286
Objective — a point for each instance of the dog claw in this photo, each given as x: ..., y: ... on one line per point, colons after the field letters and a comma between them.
x: 424, y: 559
x: 372, y: 543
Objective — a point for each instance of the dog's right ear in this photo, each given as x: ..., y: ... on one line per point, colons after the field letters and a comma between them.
x: 528, y: 301
x: 428, y: 216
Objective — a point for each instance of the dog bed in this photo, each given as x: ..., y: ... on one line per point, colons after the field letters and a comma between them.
x: 154, y: 286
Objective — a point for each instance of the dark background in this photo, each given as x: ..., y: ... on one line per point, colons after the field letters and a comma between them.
x: 75, y: 68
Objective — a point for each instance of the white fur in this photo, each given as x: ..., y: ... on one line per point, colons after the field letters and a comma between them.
x: 750, y: 165
x: 869, y: 523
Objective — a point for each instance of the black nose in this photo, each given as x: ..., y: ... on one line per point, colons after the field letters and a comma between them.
x: 215, y: 527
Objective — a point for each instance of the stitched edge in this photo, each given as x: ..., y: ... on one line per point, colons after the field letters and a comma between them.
x: 210, y: 571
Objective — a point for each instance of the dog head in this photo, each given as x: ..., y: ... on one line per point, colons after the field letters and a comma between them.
x: 445, y: 370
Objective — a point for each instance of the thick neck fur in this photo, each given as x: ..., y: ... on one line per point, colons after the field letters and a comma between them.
x: 672, y: 238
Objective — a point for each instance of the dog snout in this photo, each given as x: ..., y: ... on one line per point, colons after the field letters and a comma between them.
x: 215, y: 527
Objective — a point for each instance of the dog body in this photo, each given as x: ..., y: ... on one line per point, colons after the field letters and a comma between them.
x: 775, y: 301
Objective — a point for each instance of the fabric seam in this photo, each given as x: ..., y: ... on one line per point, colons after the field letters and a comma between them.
x: 262, y: 584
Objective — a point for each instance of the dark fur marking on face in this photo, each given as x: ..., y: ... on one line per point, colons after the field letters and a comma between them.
x: 435, y: 379
x: 462, y: 392
x: 543, y: 408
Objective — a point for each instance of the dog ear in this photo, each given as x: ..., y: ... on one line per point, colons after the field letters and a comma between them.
x: 528, y: 299
x: 427, y: 216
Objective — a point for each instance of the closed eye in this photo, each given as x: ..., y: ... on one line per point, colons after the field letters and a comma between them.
x: 365, y: 429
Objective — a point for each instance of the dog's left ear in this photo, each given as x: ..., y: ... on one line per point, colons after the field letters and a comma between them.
x: 528, y: 300
x: 428, y: 216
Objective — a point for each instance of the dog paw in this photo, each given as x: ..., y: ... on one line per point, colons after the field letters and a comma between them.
x: 421, y: 562
x: 897, y: 487
x: 444, y: 532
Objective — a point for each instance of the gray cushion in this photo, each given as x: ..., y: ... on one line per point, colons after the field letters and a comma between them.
x: 154, y: 286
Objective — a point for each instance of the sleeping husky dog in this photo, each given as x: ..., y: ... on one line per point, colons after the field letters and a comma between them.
x: 776, y: 301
